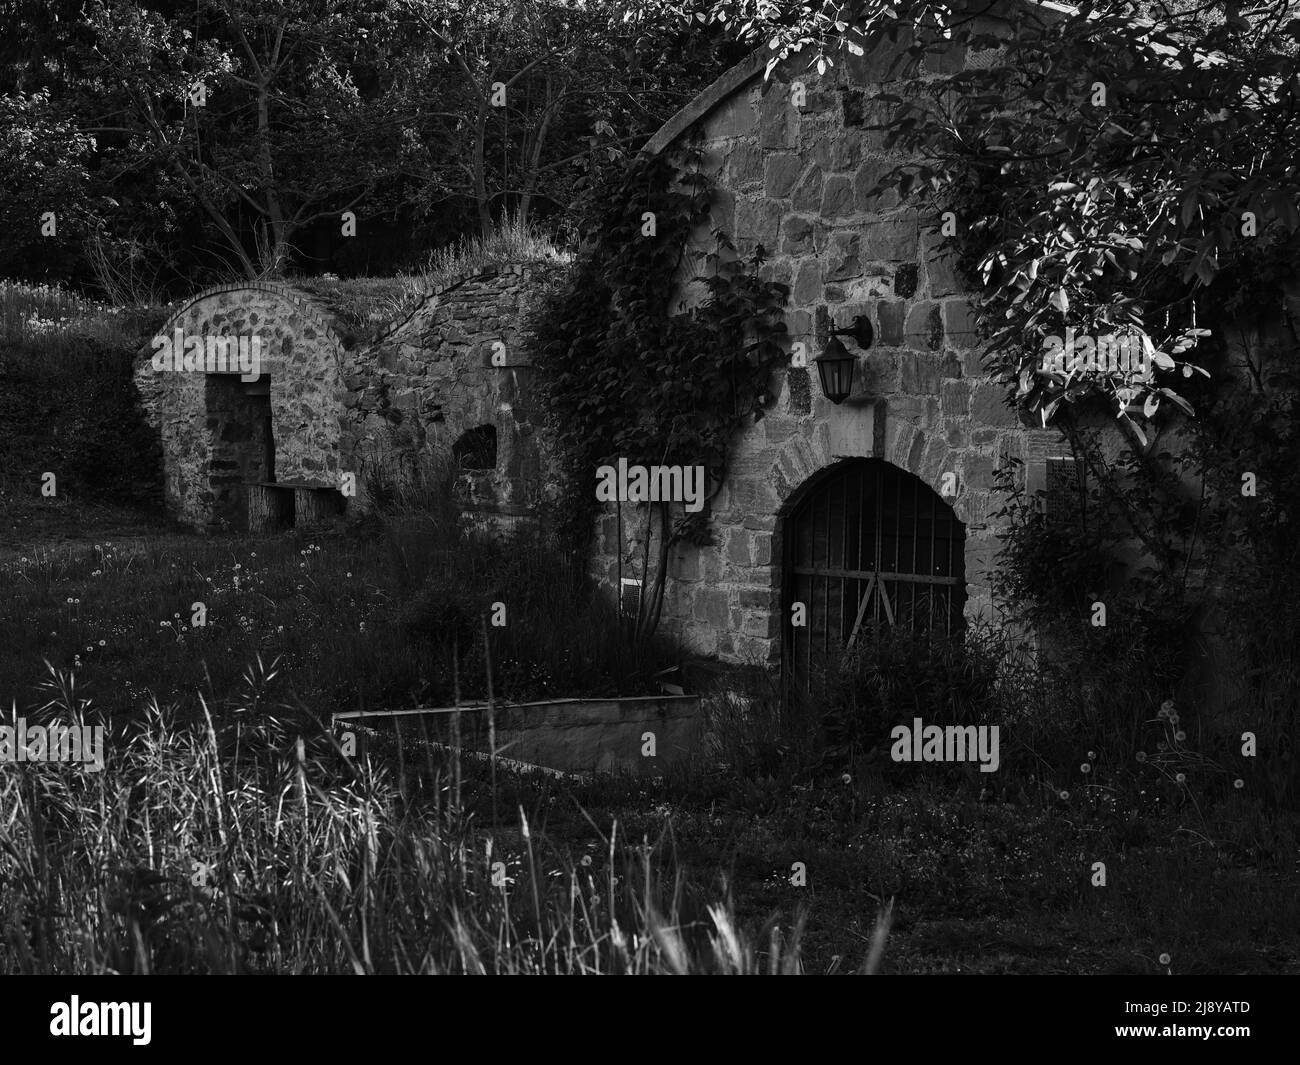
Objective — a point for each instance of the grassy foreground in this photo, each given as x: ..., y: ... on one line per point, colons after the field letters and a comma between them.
x: 213, y: 842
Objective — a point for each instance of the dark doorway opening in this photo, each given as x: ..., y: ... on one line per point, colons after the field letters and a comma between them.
x: 241, y: 443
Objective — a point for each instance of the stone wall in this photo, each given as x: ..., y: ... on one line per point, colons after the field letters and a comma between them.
x: 389, y: 412
x: 595, y: 735
x: 432, y: 378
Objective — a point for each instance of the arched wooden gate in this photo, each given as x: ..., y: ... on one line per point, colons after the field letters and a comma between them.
x: 867, y: 544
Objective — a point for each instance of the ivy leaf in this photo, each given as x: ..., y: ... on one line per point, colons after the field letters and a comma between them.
x: 1178, y: 401
x: 1137, y: 429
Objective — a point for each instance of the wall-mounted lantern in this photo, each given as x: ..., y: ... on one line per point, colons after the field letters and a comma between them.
x: 835, y: 364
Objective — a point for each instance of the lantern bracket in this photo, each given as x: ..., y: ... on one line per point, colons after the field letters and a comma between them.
x: 860, y: 331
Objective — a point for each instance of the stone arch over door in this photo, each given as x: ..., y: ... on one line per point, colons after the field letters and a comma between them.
x: 865, y: 543
x: 207, y: 457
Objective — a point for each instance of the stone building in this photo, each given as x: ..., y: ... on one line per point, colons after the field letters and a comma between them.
x: 881, y: 507
x: 878, y: 507
x: 326, y: 423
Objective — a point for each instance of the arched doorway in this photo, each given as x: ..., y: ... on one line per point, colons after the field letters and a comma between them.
x: 867, y: 544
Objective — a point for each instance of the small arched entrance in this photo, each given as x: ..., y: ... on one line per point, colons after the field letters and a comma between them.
x: 866, y: 544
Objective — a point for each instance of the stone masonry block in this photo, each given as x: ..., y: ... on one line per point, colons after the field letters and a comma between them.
x: 780, y: 172
x: 924, y: 329
x: 959, y: 324
x: 989, y: 406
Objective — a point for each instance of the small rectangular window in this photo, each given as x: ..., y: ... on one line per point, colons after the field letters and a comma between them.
x: 629, y: 597
x: 1065, y: 491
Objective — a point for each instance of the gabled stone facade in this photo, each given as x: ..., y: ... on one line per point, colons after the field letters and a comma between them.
x: 795, y: 176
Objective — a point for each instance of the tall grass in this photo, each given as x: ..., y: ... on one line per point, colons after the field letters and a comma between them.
x: 510, y: 240
x: 48, y: 331
x: 226, y: 848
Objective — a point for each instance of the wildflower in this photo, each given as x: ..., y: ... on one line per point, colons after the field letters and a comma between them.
x: 349, y: 573
x: 1085, y: 768
x: 586, y: 859
x: 1167, y: 707
x: 1142, y: 756
x: 1239, y: 783
x: 1092, y: 756
x: 1165, y: 959
x: 1065, y: 794
x: 103, y: 643
x: 1181, y: 778
x: 1180, y: 735
x: 846, y: 779
x: 176, y: 616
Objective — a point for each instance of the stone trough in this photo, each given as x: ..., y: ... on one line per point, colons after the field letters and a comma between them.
x: 571, y: 735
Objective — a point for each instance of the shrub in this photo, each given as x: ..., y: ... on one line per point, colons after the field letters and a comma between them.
x: 896, y: 675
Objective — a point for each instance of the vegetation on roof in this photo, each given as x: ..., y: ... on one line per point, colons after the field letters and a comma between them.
x: 366, y: 306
